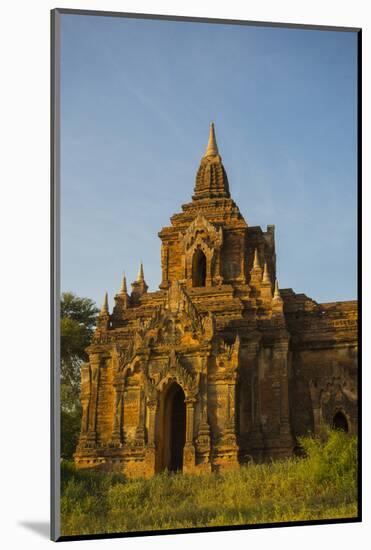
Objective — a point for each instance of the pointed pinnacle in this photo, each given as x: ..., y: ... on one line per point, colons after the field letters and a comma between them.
x: 256, y: 260
x: 140, y: 276
x: 212, y: 148
x: 105, y: 309
x: 266, y: 278
x: 277, y: 295
x: 123, y: 289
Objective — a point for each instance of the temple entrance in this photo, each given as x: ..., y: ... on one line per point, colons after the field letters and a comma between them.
x: 199, y: 268
x: 340, y: 422
x: 173, y: 428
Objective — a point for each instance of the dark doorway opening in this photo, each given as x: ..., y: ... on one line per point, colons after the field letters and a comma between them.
x: 340, y: 422
x: 177, y: 431
x: 172, y: 435
x: 199, y: 268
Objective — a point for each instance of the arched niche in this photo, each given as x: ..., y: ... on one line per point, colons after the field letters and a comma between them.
x: 340, y: 422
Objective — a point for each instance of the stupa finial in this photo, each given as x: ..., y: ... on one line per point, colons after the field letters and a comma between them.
x: 212, y: 148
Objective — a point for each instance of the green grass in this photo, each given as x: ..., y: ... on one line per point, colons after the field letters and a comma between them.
x: 323, y: 485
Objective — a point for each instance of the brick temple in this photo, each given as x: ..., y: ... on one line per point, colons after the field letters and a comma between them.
x: 219, y: 366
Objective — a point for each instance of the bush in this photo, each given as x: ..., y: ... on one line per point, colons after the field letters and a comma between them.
x: 331, y: 458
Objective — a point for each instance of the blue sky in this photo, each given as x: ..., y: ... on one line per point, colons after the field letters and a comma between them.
x: 137, y: 97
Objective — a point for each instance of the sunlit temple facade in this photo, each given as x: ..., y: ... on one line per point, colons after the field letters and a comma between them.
x: 219, y: 366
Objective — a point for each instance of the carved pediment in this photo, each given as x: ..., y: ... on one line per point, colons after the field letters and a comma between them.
x: 201, y: 233
x: 174, y: 370
x: 123, y: 356
x: 175, y: 322
x: 334, y: 389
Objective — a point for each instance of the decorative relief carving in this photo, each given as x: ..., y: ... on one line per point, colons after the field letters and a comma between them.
x: 175, y: 322
x: 227, y: 357
x: 331, y: 395
x: 176, y: 371
x: 201, y: 232
x: 333, y: 388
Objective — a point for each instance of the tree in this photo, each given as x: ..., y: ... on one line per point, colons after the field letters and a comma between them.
x: 78, y: 319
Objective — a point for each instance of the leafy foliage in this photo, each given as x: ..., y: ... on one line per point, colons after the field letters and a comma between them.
x: 323, y: 485
x: 78, y: 318
x: 332, y: 457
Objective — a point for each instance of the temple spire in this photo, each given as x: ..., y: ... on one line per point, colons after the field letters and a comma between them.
x: 139, y: 286
x: 256, y: 260
x: 105, y: 310
x: 277, y: 302
x: 266, y: 287
x: 266, y: 278
x: 256, y: 271
x: 122, y: 301
x: 212, y: 148
x: 123, y: 289
x: 140, y: 276
x: 211, y: 178
x: 277, y: 294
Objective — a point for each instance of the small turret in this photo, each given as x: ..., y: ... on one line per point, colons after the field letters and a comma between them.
x: 122, y: 301
x: 266, y: 278
x: 266, y: 285
x: 123, y: 289
x: 104, y: 315
x: 104, y: 309
x: 256, y: 264
x: 277, y: 302
x: 256, y: 272
x: 277, y: 295
x: 140, y: 276
x: 139, y: 287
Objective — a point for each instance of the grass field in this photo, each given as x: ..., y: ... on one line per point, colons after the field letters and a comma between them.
x: 322, y: 485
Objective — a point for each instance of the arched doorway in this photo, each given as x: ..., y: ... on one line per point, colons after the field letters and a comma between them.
x: 340, y: 422
x: 173, y: 428
x: 199, y: 268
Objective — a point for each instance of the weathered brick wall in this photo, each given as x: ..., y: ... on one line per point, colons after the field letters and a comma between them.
x: 264, y: 242
x: 232, y: 254
x: 270, y: 392
x: 105, y: 404
x: 323, y: 362
x: 326, y: 380
x: 131, y: 411
x: 174, y: 261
